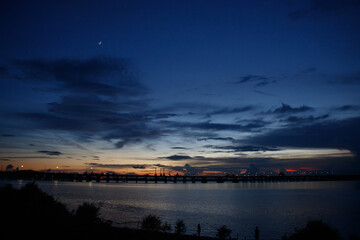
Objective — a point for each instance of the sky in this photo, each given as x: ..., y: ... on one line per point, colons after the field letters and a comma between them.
x: 190, y: 87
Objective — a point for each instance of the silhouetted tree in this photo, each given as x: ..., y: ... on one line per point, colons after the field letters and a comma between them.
x: 151, y: 223
x: 223, y: 232
x: 180, y: 227
x: 315, y: 230
x: 166, y: 227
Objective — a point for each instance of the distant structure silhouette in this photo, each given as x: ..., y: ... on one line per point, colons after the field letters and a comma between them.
x: 256, y: 233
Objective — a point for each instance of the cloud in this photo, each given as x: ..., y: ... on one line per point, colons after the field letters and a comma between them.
x: 228, y: 110
x: 237, y: 164
x: 232, y: 165
x: 118, y: 166
x: 9, y: 167
x: 53, y: 122
x: 4, y: 72
x: 92, y: 106
x: 264, y: 83
x: 162, y: 115
x: 307, y: 119
x: 176, y: 157
x: 340, y: 134
x: 97, y: 110
x: 51, y: 153
x: 132, y: 133
x: 287, y: 109
x: 251, y: 78
x: 125, y: 121
x: 264, y: 93
x: 347, y: 108
x: 244, y: 148
x: 207, y: 126
x: 103, y: 98
x: 346, y: 79
x: 216, y: 139
x: 324, y: 8
x: 120, y: 144
x: 206, y: 110
x: 188, y: 108
x: 103, y: 76
x: 257, y: 79
x: 139, y: 166
x: 7, y: 135
x: 309, y: 70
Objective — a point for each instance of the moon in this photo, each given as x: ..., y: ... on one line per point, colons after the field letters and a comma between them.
x: 99, y: 43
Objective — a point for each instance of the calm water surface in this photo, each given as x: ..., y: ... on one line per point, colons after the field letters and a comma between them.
x: 276, y: 208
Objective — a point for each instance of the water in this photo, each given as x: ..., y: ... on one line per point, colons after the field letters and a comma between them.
x: 276, y: 208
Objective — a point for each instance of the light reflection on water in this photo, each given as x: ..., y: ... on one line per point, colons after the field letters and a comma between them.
x: 276, y: 208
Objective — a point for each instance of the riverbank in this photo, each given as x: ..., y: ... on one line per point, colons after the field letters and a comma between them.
x: 28, y: 212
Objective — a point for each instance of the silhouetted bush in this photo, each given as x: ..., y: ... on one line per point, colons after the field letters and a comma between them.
x: 28, y: 211
x: 315, y: 230
x: 88, y: 213
x: 354, y: 237
x: 180, y: 227
x: 30, y: 204
x: 151, y: 223
x: 223, y: 232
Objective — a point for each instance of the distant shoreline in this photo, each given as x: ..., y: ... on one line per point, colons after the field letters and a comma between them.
x: 101, y: 177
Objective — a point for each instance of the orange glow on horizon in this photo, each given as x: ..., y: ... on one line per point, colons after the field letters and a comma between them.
x: 309, y: 168
x: 206, y: 173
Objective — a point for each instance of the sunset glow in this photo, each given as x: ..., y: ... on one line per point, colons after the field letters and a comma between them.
x: 159, y: 86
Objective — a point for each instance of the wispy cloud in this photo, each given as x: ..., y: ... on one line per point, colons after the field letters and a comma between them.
x: 244, y: 148
x: 304, y: 119
x: 258, y: 80
x: 176, y: 157
x: 320, y: 8
x: 264, y: 93
x: 51, y: 153
x: 118, y: 166
x: 347, y: 108
x: 208, y: 126
x: 346, y: 79
x: 287, y: 109
x: 180, y: 148
x: 216, y: 139
x: 228, y: 110
x: 7, y: 135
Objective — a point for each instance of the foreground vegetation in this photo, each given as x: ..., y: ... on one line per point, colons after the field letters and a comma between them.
x: 30, y: 213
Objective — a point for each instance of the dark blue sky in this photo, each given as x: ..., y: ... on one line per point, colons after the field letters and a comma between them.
x: 191, y: 86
